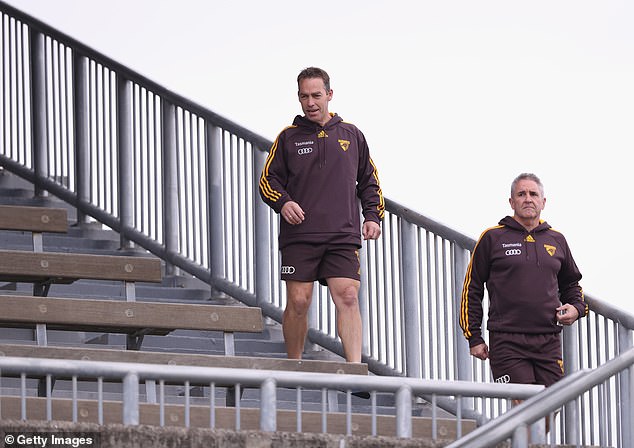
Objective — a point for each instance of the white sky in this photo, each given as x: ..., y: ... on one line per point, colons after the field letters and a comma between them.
x: 455, y: 97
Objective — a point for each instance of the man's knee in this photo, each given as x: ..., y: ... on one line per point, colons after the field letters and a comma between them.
x: 298, y: 305
x: 346, y: 297
x: 298, y: 297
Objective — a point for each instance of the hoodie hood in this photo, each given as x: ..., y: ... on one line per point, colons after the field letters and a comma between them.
x: 304, y: 122
x: 510, y: 222
x: 321, y: 132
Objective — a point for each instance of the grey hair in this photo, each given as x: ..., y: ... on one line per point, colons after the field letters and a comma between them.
x: 527, y: 176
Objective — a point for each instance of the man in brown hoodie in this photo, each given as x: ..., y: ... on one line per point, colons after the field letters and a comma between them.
x: 316, y: 172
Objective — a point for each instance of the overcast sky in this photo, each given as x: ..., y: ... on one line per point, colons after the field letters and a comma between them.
x: 455, y: 97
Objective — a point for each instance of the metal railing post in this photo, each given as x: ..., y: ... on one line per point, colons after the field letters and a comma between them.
x: 131, y: 399
x: 268, y: 406
x: 463, y: 357
x: 364, y: 307
x: 626, y: 390
x: 170, y: 182
x: 38, y: 108
x: 411, y: 298
x: 81, y: 132
x: 262, y: 237
x: 404, y: 412
x: 126, y: 162
x: 213, y: 137
x: 571, y: 364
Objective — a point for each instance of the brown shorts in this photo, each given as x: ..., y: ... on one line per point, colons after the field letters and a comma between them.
x: 310, y: 262
x: 525, y: 358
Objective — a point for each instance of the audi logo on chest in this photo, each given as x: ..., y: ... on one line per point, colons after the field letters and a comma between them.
x: 302, y: 151
x: 513, y: 252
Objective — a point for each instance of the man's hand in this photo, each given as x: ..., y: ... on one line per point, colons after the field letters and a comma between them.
x: 480, y: 351
x: 569, y: 315
x: 371, y: 230
x: 292, y: 213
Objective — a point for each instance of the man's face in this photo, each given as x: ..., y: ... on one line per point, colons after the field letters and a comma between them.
x: 314, y: 99
x: 527, y: 200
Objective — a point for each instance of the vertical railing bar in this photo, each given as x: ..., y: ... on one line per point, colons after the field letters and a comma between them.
x: 234, y: 213
x: 391, y: 323
x: 202, y: 182
x: 49, y: 401
x: 159, y: 168
x: 190, y: 168
x: 100, y: 400
x: 437, y: 307
x: 188, y: 214
x: 212, y: 405
x: 246, y: 207
x: 187, y: 403
x: 57, y: 161
x: 239, y: 212
x: 196, y: 181
x: 20, y: 87
x: 434, y: 417
x: 374, y: 431
x: 150, y: 174
x: 422, y: 310
x: 430, y: 310
x: 181, y: 151
x: 161, y: 403
x: 40, y: 109
x: 382, y: 309
x: 137, y: 163
x: 298, y: 409
x: 447, y: 318
x: 23, y: 396
x: 324, y: 415
x: 10, y: 45
x: 608, y: 394
x: 113, y: 155
x: 74, y: 393
x: 224, y: 191
x: 70, y: 182
x: 367, y: 310
x: 238, y: 407
x: 101, y: 163
x: 4, y: 113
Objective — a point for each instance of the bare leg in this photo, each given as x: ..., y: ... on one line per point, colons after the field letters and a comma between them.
x: 295, y: 318
x: 345, y: 295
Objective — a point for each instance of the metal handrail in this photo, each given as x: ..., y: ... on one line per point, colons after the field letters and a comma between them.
x: 132, y: 374
x: 546, y: 402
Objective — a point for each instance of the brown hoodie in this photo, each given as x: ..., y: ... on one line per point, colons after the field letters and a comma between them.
x: 323, y: 169
x: 527, y: 276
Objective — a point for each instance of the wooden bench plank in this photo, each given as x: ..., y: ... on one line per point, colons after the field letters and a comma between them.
x: 182, y: 359
x: 112, y: 316
x: 225, y: 418
x: 34, y: 219
x: 26, y: 266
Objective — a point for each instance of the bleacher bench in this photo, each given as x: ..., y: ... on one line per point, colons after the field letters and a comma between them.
x: 135, y: 319
x: 33, y: 219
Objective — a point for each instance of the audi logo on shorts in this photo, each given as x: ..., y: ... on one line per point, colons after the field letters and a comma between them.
x: 288, y: 269
x: 302, y: 151
x: 513, y: 252
x: 503, y: 379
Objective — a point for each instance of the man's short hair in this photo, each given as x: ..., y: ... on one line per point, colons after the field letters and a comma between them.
x: 527, y: 176
x: 314, y: 72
